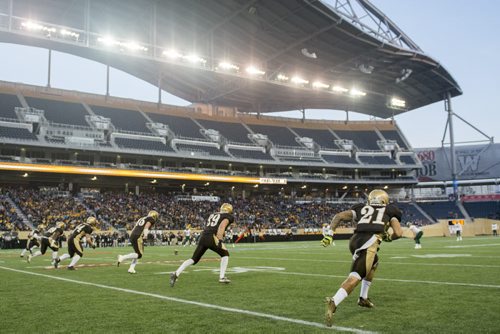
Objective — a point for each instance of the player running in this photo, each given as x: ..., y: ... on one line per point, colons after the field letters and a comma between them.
x: 32, y: 242
x: 49, y: 239
x: 211, y: 238
x: 417, y: 235
x: 75, y: 250
x: 372, y: 223
x: 137, y: 236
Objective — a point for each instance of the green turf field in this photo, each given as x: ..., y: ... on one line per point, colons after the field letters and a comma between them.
x: 445, y: 287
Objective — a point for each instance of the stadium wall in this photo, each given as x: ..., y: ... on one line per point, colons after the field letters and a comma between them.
x: 479, y: 227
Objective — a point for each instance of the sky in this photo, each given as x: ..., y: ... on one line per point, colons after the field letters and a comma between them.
x: 460, y: 34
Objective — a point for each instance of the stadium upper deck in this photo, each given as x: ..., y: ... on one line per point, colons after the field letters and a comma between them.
x: 258, y: 56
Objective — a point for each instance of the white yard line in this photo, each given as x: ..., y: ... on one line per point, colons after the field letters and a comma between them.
x: 471, y: 246
x: 384, y: 262
x: 190, y: 302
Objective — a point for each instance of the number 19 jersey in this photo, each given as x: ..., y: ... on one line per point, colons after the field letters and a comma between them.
x: 215, y: 219
x: 374, y: 218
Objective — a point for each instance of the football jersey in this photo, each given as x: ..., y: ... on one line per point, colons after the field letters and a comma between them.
x: 34, y: 234
x: 374, y: 218
x: 53, y: 232
x: 214, y: 221
x: 141, y: 223
x: 82, y: 230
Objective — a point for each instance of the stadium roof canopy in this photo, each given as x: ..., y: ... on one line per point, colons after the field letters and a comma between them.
x: 346, y: 44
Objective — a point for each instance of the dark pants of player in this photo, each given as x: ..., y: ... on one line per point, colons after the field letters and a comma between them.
x: 137, y: 244
x: 365, y: 258
x: 458, y: 233
x: 418, y: 237
x: 45, y: 243
x: 74, y: 247
x: 32, y: 243
x: 495, y: 233
x: 208, y: 241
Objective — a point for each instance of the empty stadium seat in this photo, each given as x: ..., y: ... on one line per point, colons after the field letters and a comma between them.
x: 376, y: 160
x: 489, y: 210
x: 181, y: 126
x: 441, y: 210
x: 407, y: 160
x: 234, y: 132
x: 142, y: 144
x: 323, y: 138
x: 60, y: 111
x: 279, y: 135
x: 364, y: 140
x: 123, y: 119
x: 8, y: 104
x: 394, y: 135
x: 18, y: 133
x: 246, y: 154
x: 202, y: 150
x: 339, y: 159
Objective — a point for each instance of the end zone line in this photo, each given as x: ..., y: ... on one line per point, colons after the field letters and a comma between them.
x: 185, y: 301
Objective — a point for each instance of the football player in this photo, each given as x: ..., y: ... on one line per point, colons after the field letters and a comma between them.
x: 417, y: 234
x: 137, y: 236
x: 49, y: 239
x: 211, y: 238
x: 187, y: 236
x: 75, y: 250
x: 373, y: 221
x: 33, y: 242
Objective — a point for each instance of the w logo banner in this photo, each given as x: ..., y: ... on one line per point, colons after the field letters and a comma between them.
x: 468, y: 163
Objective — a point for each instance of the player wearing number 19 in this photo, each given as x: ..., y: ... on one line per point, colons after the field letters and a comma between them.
x: 211, y: 238
x: 139, y: 232
x: 373, y: 220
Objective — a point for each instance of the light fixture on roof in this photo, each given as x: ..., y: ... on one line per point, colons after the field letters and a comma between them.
x: 224, y: 65
x: 252, y: 70
x: 397, y: 103
x: 356, y: 92
x: 319, y: 84
x: 282, y: 77
x: 195, y: 59
x: 366, y: 69
x: 172, y: 54
x: 339, y: 89
x: 299, y: 81
x: 30, y: 25
x: 308, y: 54
x: 68, y: 33
x: 405, y: 73
x: 107, y: 40
x: 133, y: 46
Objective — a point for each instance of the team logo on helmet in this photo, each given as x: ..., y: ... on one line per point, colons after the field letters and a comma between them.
x: 378, y: 197
x: 92, y: 221
x: 226, y: 208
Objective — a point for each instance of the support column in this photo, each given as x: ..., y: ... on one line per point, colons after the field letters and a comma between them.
x: 11, y: 10
x: 49, y: 67
x: 107, y: 80
x: 347, y: 116
x: 87, y: 23
x: 159, y: 88
x: 449, y: 109
x: 137, y: 191
x: 303, y: 110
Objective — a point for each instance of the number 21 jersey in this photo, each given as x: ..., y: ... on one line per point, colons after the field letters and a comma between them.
x: 374, y: 218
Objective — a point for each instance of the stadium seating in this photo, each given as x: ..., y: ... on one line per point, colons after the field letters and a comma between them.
x: 60, y: 111
x: 123, y: 119
x: 17, y: 133
x: 181, y: 126
x: 279, y: 135
x: 142, y: 144
x: 489, y: 210
x: 376, y: 160
x: 394, y: 135
x: 339, y: 159
x: 247, y: 154
x: 234, y: 132
x: 407, y: 160
x: 411, y: 214
x: 323, y: 138
x: 8, y: 103
x: 441, y: 209
x: 364, y: 140
x: 200, y: 150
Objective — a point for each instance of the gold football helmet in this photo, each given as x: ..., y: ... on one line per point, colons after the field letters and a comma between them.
x: 61, y: 225
x: 92, y: 221
x: 226, y: 208
x: 378, y: 197
x: 153, y: 214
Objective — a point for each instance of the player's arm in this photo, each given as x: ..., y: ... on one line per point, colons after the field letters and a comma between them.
x: 146, y: 229
x: 396, y: 228
x: 90, y: 241
x: 222, y: 229
x: 344, y: 216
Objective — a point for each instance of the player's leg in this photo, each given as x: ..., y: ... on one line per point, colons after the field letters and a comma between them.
x: 43, y: 249
x: 197, y: 255
x: 224, y: 260
x: 78, y: 253
x: 138, y: 245
x: 366, y: 282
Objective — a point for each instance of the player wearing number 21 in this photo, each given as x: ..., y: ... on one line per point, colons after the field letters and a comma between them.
x: 373, y: 221
x: 211, y: 238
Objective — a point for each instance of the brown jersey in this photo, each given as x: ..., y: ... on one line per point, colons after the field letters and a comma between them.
x: 374, y: 218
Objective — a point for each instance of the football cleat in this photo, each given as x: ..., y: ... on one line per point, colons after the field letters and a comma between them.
x: 132, y: 271
x: 56, y: 262
x: 365, y: 302
x: 173, y: 279
x: 71, y: 268
x: 224, y: 280
x: 120, y: 260
x: 330, y: 311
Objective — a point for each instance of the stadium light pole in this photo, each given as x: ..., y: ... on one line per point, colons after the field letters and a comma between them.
x: 49, y: 65
x: 449, y: 109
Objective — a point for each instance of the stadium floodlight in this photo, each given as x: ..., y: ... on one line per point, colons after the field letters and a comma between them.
x: 397, y: 103
x: 356, y: 92
x: 299, y: 81
x: 224, y: 65
x: 107, y: 40
x: 30, y: 25
x: 193, y: 58
x: 339, y: 89
x: 172, y: 54
x: 281, y: 77
x: 68, y: 33
x: 319, y: 84
x: 25, y: 175
x: 252, y: 70
x: 133, y: 46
